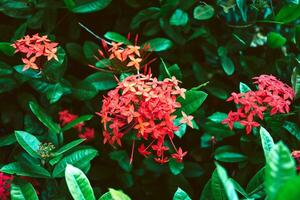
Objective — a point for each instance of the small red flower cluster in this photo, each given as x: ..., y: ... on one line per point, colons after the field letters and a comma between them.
x: 66, y: 117
x: 272, y: 96
x: 5, y: 181
x: 123, y: 58
x: 143, y: 106
x: 35, y: 47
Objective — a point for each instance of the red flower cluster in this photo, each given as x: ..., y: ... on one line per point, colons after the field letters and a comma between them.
x: 296, y: 155
x: 66, y: 117
x: 272, y: 96
x: 143, y: 106
x: 123, y: 58
x: 5, y: 181
x: 35, y: 47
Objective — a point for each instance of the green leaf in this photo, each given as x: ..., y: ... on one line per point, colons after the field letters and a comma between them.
x: 297, y: 35
x: 86, y: 6
x: 84, y: 90
x: 242, y: 7
x: 280, y: 168
x: 292, y: 128
x: 275, y: 40
x: 29, y: 143
x: 296, y: 82
x: 78, y: 184
x: 68, y: 146
x: 182, y: 127
x: 80, y: 159
x: 118, y: 195
x: 290, y: 190
x: 90, y: 50
x: 217, y: 188
x: 102, y: 81
x: 144, y: 15
x: 229, y: 154
x: 227, y: 184
x: 218, y: 117
x: 179, y: 18
x: 5, y: 69
x: 29, y: 72
x: 239, y: 188
x: 192, y: 170
x: 6, y: 48
x: 7, y: 84
x: 44, y: 118
x: 122, y: 158
x: 7, y: 140
x: 193, y: 100
x: 21, y: 190
x: 226, y: 62
x: 159, y: 44
x: 206, y: 193
x: 116, y: 37
x: 181, y: 195
x: 266, y: 141
x: 55, y: 92
x: 257, y: 182
x: 288, y: 13
x: 203, y: 12
x: 106, y: 196
x: 77, y: 121
x: 176, y: 167
x: 244, y: 88
x: 30, y: 170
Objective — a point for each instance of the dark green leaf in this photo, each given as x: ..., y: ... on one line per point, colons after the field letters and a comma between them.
x: 122, y: 158
x: 102, y: 81
x: 275, y: 40
x: 179, y: 18
x: 116, y: 37
x: 204, y: 12
x: 77, y: 121
x: 288, y: 13
x: 193, y: 100
x: 6, y: 48
x: 181, y: 195
x: 144, y: 15
x: 86, y: 6
x: 7, y: 140
x: 175, y: 167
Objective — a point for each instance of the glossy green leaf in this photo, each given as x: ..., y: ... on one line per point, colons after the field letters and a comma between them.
x: 80, y: 159
x: 226, y: 62
x: 76, y: 121
x: 242, y: 7
x: 181, y: 195
x: 256, y: 183
x: 84, y: 90
x: 21, y: 190
x: 230, y: 157
x: 44, y: 118
x: 116, y: 37
x: 6, y: 48
x: 207, y: 191
x: 7, y: 140
x: 288, y: 13
x: 179, y: 18
x: 68, y: 146
x: 217, y: 188
x: 29, y: 72
x: 78, y: 184
x: 290, y: 190
x: 84, y: 6
x: 244, y: 88
x: 280, y: 168
x: 266, y: 141
x: 193, y: 100
x: 159, y: 44
x: 29, y: 143
x: 203, y: 12
x: 118, y: 195
x: 25, y: 170
x: 227, y: 184
x: 292, y: 128
x: 275, y: 40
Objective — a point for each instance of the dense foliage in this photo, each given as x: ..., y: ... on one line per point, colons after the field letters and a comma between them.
x: 160, y: 99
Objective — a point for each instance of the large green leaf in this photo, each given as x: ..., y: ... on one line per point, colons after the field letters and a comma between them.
x: 78, y: 184
x: 193, y: 100
x: 159, y: 44
x: 227, y: 184
x: 229, y: 154
x: 275, y: 40
x: 203, y: 12
x: 144, y: 15
x: 288, y: 13
x: 30, y: 170
x: 256, y: 183
x: 181, y: 195
x: 6, y: 48
x: 86, y: 6
x: 29, y: 143
x: 207, y: 191
x: 21, y: 190
x: 217, y: 188
x: 175, y: 167
x: 76, y: 121
x: 68, y: 146
x: 290, y: 190
x: 279, y: 169
x: 266, y: 141
x: 80, y: 159
x: 118, y: 195
x: 116, y: 37
x: 84, y: 90
x: 44, y: 118
x: 179, y: 18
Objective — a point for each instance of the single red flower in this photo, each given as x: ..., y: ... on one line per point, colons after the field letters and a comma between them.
x: 179, y: 155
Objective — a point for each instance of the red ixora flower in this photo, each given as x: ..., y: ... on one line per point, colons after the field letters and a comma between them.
x: 272, y: 96
x: 296, y: 155
x: 66, y: 117
x: 120, y: 57
x: 5, y: 181
x: 143, y: 106
x: 37, y: 50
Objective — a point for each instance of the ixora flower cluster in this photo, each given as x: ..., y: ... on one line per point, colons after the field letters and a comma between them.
x: 66, y: 117
x: 5, y: 181
x: 296, y: 156
x: 37, y: 50
x: 142, y: 108
x: 272, y: 96
x: 123, y: 58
